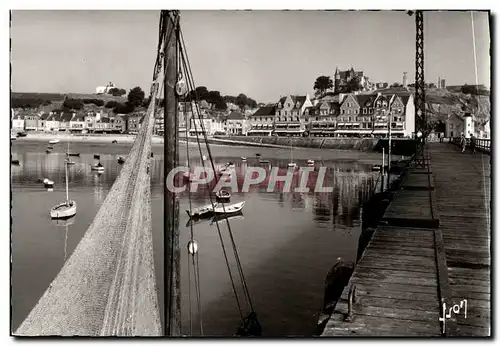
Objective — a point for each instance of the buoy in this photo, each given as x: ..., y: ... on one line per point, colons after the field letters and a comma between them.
x: 192, y: 247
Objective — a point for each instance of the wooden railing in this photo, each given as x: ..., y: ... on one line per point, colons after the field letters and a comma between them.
x: 482, y: 144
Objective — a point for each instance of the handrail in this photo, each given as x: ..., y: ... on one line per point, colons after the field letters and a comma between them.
x: 481, y: 144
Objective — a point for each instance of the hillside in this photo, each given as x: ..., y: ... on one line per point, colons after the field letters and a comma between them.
x: 441, y: 102
x: 60, y: 97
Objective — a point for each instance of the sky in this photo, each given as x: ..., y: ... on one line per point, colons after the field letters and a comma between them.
x: 263, y: 54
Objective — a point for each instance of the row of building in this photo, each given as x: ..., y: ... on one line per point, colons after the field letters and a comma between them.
x: 75, y: 121
x: 339, y: 115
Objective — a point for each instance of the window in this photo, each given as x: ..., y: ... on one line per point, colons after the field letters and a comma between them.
x: 343, y: 111
x: 350, y: 119
x: 288, y: 105
x: 348, y: 111
x: 364, y: 110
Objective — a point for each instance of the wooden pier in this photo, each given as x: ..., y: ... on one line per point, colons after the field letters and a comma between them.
x: 431, y: 248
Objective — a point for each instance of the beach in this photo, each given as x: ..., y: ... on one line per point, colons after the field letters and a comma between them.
x: 91, y: 138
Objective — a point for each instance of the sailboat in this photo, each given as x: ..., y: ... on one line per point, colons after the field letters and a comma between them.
x: 291, y: 163
x: 65, y: 209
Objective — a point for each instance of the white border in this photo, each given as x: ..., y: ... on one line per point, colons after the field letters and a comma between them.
x: 175, y: 4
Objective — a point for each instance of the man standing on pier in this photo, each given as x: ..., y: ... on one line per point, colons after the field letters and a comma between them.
x: 472, y: 143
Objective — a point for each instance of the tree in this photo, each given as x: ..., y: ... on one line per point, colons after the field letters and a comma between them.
x: 251, y: 103
x: 395, y: 85
x: 241, y: 101
x: 117, y: 92
x: 124, y: 108
x: 322, y: 84
x: 73, y: 104
x: 352, y: 85
x: 432, y: 86
x: 111, y: 104
x: 136, y: 96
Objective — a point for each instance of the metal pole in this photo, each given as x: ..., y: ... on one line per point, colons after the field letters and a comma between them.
x: 171, y: 204
x: 390, y: 149
x: 383, y: 171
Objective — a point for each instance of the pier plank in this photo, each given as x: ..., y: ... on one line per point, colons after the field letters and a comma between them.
x: 407, y: 271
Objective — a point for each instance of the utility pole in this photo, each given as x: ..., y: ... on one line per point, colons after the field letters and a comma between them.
x: 171, y: 248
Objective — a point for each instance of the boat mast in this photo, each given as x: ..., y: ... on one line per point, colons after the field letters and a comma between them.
x: 171, y: 158
x: 66, y: 171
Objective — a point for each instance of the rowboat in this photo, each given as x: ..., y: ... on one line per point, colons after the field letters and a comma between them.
x: 292, y: 164
x: 121, y: 159
x: 230, y: 209
x: 97, y: 168
x: 53, y: 141
x: 310, y: 162
x: 48, y: 151
x: 223, y: 195
x: 50, y: 147
x: 15, y: 162
x: 73, y: 154
x: 205, y: 211
x: 243, y: 158
x: 13, y: 138
x: 97, y: 156
x: 48, y: 183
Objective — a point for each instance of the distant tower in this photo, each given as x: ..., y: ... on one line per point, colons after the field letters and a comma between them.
x: 439, y: 83
x: 336, y: 81
x: 443, y: 84
x: 404, y: 79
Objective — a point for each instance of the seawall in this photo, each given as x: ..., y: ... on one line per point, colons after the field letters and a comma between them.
x: 399, y: 146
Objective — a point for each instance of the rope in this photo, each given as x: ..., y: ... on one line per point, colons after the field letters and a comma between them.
x: 191, y: 87
x: 240, y: 269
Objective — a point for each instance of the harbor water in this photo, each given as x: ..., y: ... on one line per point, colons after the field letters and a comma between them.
x: 287, y: 241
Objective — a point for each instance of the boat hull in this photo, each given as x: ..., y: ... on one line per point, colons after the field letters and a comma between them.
x: 63, y: 210
x: 230, y: 209
x: 97, y: 169
x: 202, y: 212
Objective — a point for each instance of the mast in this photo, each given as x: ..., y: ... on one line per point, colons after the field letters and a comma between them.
x: 67, y: 189
x: 171, y: 159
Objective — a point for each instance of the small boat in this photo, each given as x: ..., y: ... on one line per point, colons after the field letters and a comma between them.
x: 69, y: 162
x: 257, y: 154
x: 201, y: 212
x: 12, y: 138
x: 376, y: 168
x: 264, y: 161
x: 121, y: 159
x: 53, y: 141
x: 292, y: 164
x: 98, y: 168
x: 15, y: 162
x: 243, y: 158
x: 73, y: 154
x: 230, y: 209
x: 223, y: 195
x: 48, y: 151
x: 50, y: 147
x: 97, y: 156
x: 310, y: 162
x: 22, y: 134
x: 114, y: 141
x: 204, y: 157
x: 63, y: 210
x: 48, y: 183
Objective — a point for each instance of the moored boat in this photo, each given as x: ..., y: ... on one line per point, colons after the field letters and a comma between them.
x: 201, y: 212
x: 15, y: 162
x: 73, y: 154
x: 291, y: 164
x: 243, y: 158
x: 48, y: 183
x: 223, y: 195
x: 121, y: 159
x: 48, y: 151
x: 13, y: 138
x: 97, y: 156
x: 50, y: 147
x: 264, y: 161
x: 69, y: 162
x: 98, y: 167
x: 53, y: 141
x: 310, y: 162
x: 230, y: 209
x: 63, y: 210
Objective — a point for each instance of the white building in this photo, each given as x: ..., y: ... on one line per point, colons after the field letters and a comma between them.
x: 18, y: 123
x: 104, y: 89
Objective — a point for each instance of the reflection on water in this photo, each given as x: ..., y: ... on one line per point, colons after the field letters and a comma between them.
x: 287, y: 242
